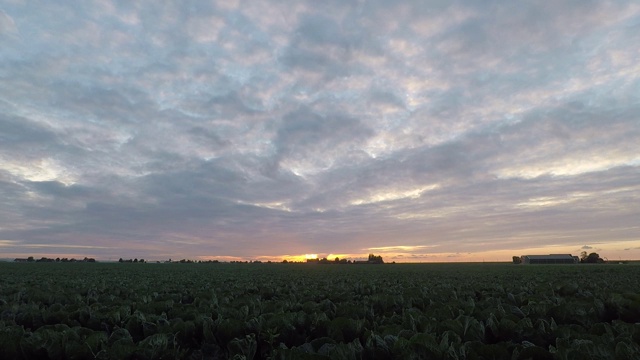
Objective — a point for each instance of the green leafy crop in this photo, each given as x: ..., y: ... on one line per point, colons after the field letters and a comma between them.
x: 297, y: 311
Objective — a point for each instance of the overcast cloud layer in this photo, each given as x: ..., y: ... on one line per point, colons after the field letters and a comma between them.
x: 419, y: 130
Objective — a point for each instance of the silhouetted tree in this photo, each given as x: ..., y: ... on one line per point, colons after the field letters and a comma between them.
x: 592, y: 258
x: 583, y: 256
x: 517, y: 260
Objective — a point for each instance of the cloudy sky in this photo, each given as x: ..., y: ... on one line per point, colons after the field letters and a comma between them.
x: 417, y: 130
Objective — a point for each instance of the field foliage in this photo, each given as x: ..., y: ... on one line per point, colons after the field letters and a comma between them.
x: 301, y: 311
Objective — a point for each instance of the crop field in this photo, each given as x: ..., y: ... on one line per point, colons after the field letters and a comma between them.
x: 303, y: 311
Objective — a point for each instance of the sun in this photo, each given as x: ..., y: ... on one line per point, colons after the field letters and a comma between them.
x: 310, y: 256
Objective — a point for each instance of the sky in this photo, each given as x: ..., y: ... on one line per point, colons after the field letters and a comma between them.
x: 421, y: 131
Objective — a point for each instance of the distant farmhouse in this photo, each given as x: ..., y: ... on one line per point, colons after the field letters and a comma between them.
x: 546, y: 259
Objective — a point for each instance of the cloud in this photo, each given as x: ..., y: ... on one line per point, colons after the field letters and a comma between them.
x: 7, y: 24
x: 309, y: 141
x: 586, y: 247
x: 243, y: 129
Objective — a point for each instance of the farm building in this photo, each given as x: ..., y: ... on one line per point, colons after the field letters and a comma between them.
x: 549, y: 259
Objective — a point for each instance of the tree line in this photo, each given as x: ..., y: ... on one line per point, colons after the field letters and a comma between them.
x: 46, y: 259
x: 373, y: 259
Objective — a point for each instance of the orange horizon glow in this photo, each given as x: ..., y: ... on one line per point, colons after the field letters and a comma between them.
x: 613, y: 251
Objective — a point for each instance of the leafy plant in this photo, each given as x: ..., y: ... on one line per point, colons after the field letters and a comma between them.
x: 293, y: 311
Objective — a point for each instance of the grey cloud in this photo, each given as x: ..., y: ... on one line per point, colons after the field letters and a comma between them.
x: 211, y: 212
x: 289, y: 124
x: 325, y: 30
x: 99, y: 103
x: 453, y: 163
x: 330, y: 64
x: 320, y: 29
x: 17, y: 130
x: 7, y: 25
x: 305, y: 128
x: 532, y: 28
x: 208, y: 136
x: 468, y: 203
x: 568, y: 132
x: 322, y: 44
x: 206, y: 176
x: 59, y: 190
x: 386, y: 97
x: 13, y: 199
x: 304, y: 133
x: 229, y: 105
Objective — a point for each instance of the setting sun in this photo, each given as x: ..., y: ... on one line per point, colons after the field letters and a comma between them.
x: 310, y: 256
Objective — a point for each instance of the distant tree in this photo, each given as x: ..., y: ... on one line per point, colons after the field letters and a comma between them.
x: 57, y: 259
x: 583, y: 256
x: 373, y: 259
x: 141, y: 260
x: 30, y: 258
x: 517, y: 260
x: 284, y: 261
x: 592, y: 258
x: 120, y: 260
